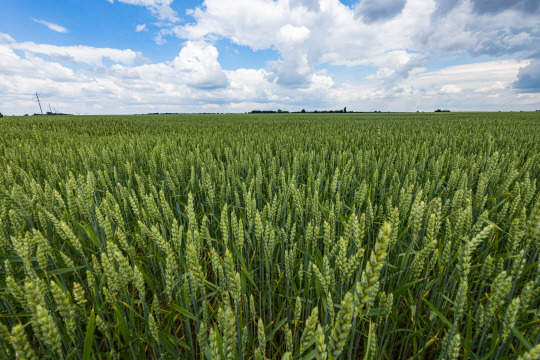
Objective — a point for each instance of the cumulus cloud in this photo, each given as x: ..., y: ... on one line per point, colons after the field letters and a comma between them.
x: 197, y: 63
x: 51, y: 26
x: 506, y: 29
x: 307, y: 34
x: 194, y: 81
x: 293, y: 72
x: 14, y: 66
x: 373, y: 33
x: 529, y: 77
x: 191, y: 81
x: 293, y: 34
x: 491, y: 28
x: 194, y: 75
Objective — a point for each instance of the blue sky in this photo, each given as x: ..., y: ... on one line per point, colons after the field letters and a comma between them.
x: 138, y: 56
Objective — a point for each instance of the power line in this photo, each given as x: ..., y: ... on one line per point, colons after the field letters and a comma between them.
x: 39, y: 103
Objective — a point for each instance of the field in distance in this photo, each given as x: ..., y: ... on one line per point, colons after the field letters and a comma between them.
x: 280, y: 236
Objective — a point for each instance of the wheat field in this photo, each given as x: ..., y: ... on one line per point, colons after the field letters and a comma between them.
x: 351, y: 236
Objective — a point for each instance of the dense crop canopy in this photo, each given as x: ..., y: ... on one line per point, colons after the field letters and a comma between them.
x: 276, y: 236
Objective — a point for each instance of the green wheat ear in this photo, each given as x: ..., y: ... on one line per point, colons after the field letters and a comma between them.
x: 152, y: 327
x: 20, y: 343
x: 44, y: 323
x: 289, y: 339
x: 297, y: 309
x: 342, y: 327
x: 510, y: 318
x: 366, y: 288
x: 213, y: 346
x: 532, y: 354
x: 309, y: 329
x: 320, y: 344
x: 64, y: 306
x: 287, y: 356
x: 261, y: 336
x: 455, y: 346
x: 228, y: 326
x: 4, y: 333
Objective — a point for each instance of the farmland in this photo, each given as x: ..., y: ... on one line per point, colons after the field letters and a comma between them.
x: 380, y: 236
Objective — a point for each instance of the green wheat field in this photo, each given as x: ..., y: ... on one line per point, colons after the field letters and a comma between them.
x: 350, y: 236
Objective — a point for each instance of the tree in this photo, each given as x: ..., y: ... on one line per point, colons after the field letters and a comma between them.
x: 303, y: 111
x: 1, y: 116
x: 345, y: 109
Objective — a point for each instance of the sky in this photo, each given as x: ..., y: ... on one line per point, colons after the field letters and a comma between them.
x: 146, y: 56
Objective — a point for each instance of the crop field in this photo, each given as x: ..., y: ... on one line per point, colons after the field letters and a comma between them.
x: 350, y: 236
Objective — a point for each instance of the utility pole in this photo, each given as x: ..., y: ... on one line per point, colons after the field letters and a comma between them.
x: 50, y: 108
x: 37, y: 97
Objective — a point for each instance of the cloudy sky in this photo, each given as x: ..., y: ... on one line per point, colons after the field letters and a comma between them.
x: 139, y: 56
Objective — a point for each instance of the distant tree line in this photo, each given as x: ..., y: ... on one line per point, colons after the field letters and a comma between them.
x: 48, y: 113
x: 279, y: 111
x: 303, y: 111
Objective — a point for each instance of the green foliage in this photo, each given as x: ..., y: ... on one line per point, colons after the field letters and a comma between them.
x: 272, y: 236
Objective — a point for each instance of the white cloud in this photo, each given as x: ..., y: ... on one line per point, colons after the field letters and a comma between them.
x: 294, y: 34
x: 307, y: 35
x: 398, y: 37
x: 84, y: 54
x: 197, y: 64
x: 5, y: 38
x: 194, y: 81
x: 530, y: 99
x: 466, y: 87
x: 293, y: 71
x: 496, y: 86
x: 472, y: 76
x: 495, y: 34
x: 193, y: 76
x: 141, y: 27
x: 159, y: 8
x: 51, y: 26
x: 450, y: 89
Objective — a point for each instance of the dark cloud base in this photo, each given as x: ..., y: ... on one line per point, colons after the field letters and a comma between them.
x: 379, y: 10
x: 529, y: 78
